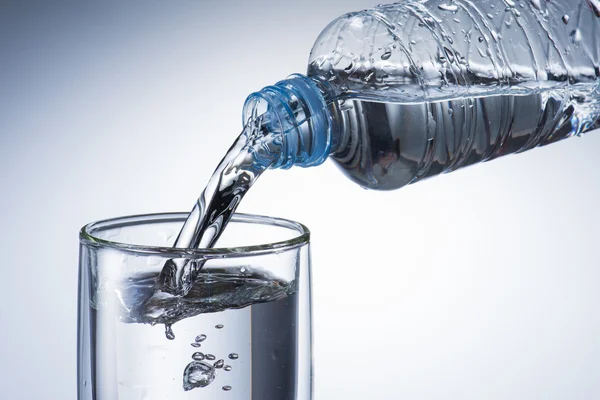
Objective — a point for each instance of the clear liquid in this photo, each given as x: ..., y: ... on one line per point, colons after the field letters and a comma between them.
x: 236, y: 339
x: 392, y: 144
x: 251, y: 154
x: 426, y: 87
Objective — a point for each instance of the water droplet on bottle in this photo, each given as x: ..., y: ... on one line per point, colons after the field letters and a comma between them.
x: 220, y: 326
x: 169, y: 332
x: 536, y: 4
x: 490, y: 16
x: 227, y: 368
x: 450, y: 111
x: 200, y: 338
x: 448, y: 7
x: 576, y: 35
x: 413, y: 41
x: 195, y: 344
x: 198, y: 356
x: 227, y: 388
x: 210, y: 357
x: 219, y: 364
x: 233, y: 356
x: 565, y: 19
x: 197, y: 374
x: 480, y: 39
x: 595, y: 6
x: 449, y: 55
x: 387, y: 54
x: 430, y: 22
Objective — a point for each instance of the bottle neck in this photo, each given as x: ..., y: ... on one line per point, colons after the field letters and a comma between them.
x: 296, y: 109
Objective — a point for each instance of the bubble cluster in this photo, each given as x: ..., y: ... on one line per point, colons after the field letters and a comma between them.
x: 199, y: 373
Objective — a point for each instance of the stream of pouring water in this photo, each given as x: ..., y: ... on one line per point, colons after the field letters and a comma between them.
x: 251, y: 154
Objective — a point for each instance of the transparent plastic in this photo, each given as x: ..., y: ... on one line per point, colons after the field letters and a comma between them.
x: 423, y: 87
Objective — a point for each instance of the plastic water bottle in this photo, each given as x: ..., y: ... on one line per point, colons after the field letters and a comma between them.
x: 402, y: 92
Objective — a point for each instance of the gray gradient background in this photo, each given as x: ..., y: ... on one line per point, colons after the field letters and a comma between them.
x: 482, y: 284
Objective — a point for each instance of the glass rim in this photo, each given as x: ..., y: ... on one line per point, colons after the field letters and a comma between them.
x: 88, y: 239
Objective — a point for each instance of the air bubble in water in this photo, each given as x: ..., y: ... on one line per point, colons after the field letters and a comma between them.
x: 198, y: 356
x: 227, y: 388
x: 219, y: 364
x: 169, y: 332
x: 196, y: 344
x: 386, y: 55
x: 200, y: 338
x: 227, y: 368
x: 197, y: 374
x: 220, y: 326
x: 210, y: 357
x: 233, y: 356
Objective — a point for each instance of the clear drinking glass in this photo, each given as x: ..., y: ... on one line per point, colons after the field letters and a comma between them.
x: 243, y: 331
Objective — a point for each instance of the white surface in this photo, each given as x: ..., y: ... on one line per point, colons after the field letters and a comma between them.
x: 483, y: 284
